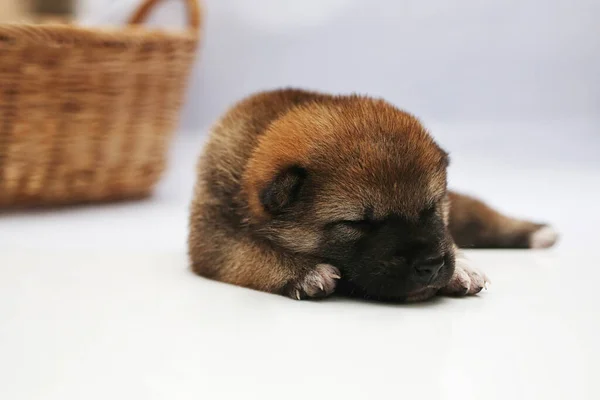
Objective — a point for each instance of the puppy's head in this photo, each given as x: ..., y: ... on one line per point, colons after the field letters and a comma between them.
x: 358, y: 184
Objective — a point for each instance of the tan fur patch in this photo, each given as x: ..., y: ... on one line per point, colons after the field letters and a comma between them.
x: 367, y: 150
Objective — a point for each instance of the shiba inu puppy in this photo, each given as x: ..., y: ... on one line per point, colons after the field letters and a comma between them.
x: 303, y: 194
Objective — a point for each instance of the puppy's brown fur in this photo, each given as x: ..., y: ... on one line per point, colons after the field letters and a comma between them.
x: 286, y: 174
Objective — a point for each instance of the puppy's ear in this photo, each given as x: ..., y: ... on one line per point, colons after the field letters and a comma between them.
x: 283, y: 190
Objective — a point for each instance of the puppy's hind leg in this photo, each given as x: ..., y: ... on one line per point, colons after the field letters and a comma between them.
x: 473, y: 224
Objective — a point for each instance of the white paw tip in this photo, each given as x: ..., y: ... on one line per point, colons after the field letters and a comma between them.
x: 487, y: 284
x: 543, y: 238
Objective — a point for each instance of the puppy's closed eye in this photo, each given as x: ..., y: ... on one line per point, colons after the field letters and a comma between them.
x: 350, y: 229
x: 361, y: 225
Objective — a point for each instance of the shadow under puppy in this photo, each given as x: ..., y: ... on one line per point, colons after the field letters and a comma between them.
x: 303, y: 194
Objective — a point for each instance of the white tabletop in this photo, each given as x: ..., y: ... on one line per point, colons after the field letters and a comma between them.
x: 97, y: 303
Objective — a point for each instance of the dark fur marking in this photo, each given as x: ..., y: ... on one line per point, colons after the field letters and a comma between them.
x: 283, y: 190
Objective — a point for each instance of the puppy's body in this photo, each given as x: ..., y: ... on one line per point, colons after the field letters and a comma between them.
x: 299, y: 193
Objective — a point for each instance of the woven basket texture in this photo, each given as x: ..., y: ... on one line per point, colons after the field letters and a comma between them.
x: 87, y: 115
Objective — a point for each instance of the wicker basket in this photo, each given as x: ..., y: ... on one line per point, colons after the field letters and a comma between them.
x: 85, y: 114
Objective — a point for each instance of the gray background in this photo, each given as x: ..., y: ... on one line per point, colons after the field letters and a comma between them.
x: 515, y: 78
x: 443, y: 60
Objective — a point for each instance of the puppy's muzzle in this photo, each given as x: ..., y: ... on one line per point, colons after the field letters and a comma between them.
x: 427, y: 268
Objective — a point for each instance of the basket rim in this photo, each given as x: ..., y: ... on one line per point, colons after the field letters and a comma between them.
x: 61, y: 34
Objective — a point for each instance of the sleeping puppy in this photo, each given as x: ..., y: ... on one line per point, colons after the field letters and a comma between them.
x: 303, y: 194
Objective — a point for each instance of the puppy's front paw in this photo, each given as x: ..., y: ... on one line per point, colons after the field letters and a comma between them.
x: 465, y: 281
x: 318, y: 282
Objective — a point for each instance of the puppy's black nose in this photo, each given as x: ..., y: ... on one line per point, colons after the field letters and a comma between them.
x: 427, y: 268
